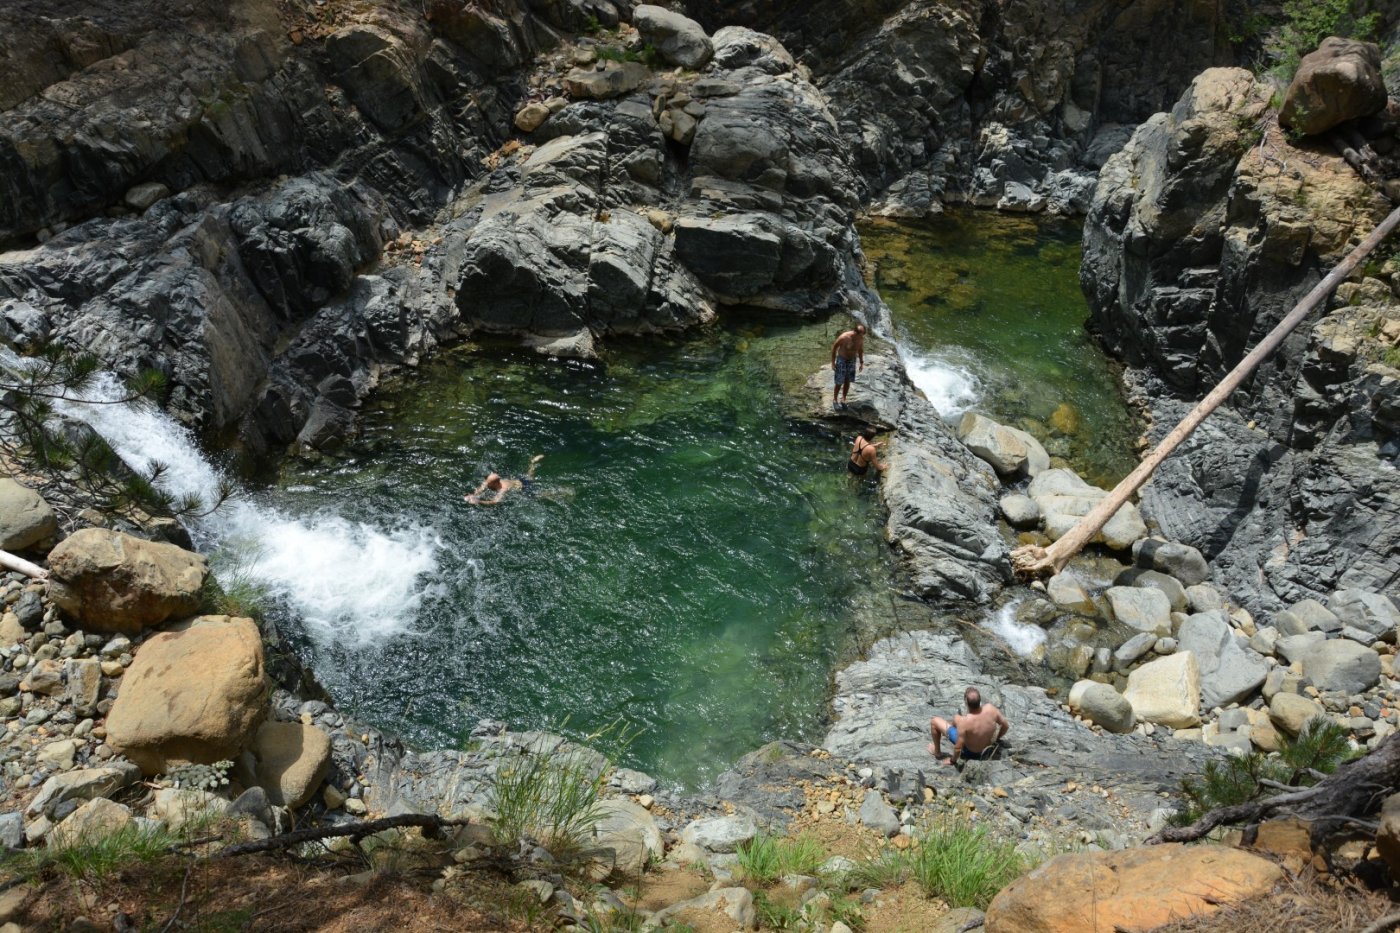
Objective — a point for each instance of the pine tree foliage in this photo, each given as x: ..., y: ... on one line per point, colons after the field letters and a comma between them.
x: 35, y: 438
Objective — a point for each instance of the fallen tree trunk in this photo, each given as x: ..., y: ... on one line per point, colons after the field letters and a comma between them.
x: 1355, y: 790
x: 1034, y: 561
x: 432, y: 826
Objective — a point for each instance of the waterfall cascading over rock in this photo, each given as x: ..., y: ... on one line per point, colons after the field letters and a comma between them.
x: 346, y: 579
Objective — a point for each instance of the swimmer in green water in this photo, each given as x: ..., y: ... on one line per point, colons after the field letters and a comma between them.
x: 500, y: 485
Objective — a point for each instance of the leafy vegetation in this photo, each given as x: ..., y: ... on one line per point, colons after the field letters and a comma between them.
x: 765, y: 858
x: 1308, y: 22
x: 1320, y: 747
x: 646, y: 54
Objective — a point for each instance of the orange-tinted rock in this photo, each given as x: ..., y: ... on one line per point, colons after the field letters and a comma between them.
x: 1131, y: 890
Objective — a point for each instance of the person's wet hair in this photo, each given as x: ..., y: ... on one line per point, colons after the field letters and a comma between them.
x: 973, y: 699
x: 868, y: 433
x: 860, y: 328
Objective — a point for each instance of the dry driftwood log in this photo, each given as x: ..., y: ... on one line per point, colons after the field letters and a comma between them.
x: 1034, y: 561
x: 14, y: 562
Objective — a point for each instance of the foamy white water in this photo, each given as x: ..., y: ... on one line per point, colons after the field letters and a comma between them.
x: 1023, y: 638
x: 347, y: 580
x: 952, y: 388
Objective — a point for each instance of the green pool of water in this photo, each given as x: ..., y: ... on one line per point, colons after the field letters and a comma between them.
x: 996, y: 298
x: 689, y: 562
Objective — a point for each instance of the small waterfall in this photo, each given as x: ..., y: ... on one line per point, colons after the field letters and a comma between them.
x: 950, y: 386
x: 1026, y: 640
x: 347, y: 580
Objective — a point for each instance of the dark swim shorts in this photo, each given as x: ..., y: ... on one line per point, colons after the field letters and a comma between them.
x: 967, y: 753
x: 845, y: 370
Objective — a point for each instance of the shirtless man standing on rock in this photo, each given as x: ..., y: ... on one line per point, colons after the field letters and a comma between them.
x: 973, y: 734
x: 845, y: 352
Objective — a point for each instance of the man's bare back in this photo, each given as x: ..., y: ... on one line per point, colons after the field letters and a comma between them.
x: 972, y: 733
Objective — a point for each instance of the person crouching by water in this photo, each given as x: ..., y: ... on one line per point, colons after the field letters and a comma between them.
x: 974, y: 735
x: 865, y: 453
x: 500, y: 485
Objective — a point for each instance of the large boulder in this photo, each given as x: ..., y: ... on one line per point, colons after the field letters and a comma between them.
x: 1010, y: 451
x: 90, y: 823
x: 1133, y: 889
x: 1181, y: 561
x: 1146, y: 609
x: 290, y: 759
x: 1342, y: 665
x: 191, y: 695
x: 1230, y: 672
x: 1370, y: 612
x: 1306, y: 615
x: 1290, y: 712
x: 112, y: 582
x: 607, y: 80
x: 83, y: 784
x: 630, y: 833
x: 1167, y: 691
x: 1340, y: 81
x: 1102, y: 705
x: 678, y: 39
x: 1064, y: 498
x: 720, y: 833
x: 25, y: 518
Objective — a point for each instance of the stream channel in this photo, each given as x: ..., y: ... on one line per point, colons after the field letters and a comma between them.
x: 691, y: 562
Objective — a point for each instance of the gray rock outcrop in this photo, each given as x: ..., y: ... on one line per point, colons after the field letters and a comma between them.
x: 1194, y: 248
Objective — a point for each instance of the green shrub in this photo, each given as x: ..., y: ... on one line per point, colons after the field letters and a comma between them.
x: 1308, y: 22
x: 964, y: 865
x: 764, y: 859
x: 546, y: 794
x: 1319, y: 748
x: 888, y: 868
x: 231, y: 589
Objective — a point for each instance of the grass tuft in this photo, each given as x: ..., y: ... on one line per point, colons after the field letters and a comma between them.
x: 97, y: 858
x: 765, y: 859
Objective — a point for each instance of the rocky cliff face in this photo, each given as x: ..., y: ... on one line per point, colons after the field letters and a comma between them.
x: 225, y: 193
x: 1010, y: 104
x: 1204, y: 231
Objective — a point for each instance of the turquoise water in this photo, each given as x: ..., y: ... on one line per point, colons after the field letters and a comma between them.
x: 996, y: 298
x: 689, y: 562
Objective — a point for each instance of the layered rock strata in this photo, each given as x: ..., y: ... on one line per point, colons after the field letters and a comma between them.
x: 1204, y: 232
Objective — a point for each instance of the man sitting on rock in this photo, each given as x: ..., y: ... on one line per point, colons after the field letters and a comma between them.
x: 974, y: 735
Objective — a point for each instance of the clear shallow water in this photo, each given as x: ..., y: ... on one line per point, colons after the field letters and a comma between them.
x: 989, y: 310
x: 688, y: 562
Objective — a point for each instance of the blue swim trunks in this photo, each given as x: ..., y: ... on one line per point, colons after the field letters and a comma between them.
x: 845, y: 370
x: 967, y: 753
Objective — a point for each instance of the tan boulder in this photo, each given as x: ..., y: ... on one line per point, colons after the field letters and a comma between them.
x: 1167, y: 691
x: 627, y: 832
x: 112, y: 582
x: 1129, y: 890
x: 25, y: 518
x: 290, y: 761
x: 191, y: 695
x: 1339, y: 81
x: 94, y: 820
x: 1290, y: 712
x: 1388, y: 836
